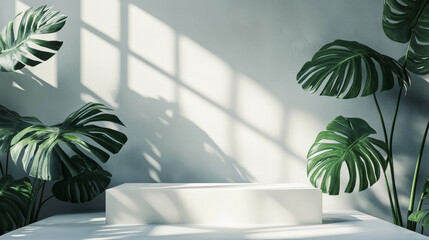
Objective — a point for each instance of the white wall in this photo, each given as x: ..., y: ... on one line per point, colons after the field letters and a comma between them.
x: 208, y: 89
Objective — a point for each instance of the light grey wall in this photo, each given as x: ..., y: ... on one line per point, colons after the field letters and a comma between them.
x: 207, y: 89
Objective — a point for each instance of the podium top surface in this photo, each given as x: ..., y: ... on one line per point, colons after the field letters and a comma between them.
x: 237, y: 186
x: 91, y: 226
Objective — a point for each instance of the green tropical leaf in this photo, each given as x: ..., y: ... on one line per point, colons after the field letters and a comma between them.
x: 83, y: 187
x: 25, y: 48
x: 43, y: 157
x: 346, y: 140
x: 340, y: 67
x: 10, y: 124
x: 15, y: 196
x: 421, y: 217
x: 408, y: 20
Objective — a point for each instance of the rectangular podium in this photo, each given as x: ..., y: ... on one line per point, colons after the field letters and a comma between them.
x: 213, y: 203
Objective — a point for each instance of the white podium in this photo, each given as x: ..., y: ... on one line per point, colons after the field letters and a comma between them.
x: 213, y: 203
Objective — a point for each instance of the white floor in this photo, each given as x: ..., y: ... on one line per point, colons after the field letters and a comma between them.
x: 91, y: 226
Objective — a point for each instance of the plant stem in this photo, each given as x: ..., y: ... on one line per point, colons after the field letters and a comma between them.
x: 419, y: 206
x: 1, y: 169
x: 7, y: 162
x: 390, y: 159
x: 412, y: 225
x: 44, y: 201
x: 394, y: 118
x: 392, y: 208
x: 36, y: 215
x: 35, y: 191
x: 381, y: 118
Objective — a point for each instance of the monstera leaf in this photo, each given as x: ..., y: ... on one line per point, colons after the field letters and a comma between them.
x: 15, y: 196
x: 26, y: 47
x: 421, y: 217
x: 340, y: 67
x: 408, y: 20
x: 10, y: 124
x: 346, y: 140
x: 43, y: 157
x: 83, y: 187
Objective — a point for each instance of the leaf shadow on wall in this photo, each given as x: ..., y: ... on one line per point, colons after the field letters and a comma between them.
x: 171, y: 148
x: 163, y: 147
x: 167, y: 147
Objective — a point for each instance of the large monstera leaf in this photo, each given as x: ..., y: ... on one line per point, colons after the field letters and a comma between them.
x: 408, y: 20
x: 346, y: 140
x: 83, y: 187
x: 39, y: 147
x: 26, y: 48
x: 340, y: 67
x: 10, y: 124
x: 15, y: 197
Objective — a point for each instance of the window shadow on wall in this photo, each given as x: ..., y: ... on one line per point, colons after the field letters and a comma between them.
x: 196, y: 124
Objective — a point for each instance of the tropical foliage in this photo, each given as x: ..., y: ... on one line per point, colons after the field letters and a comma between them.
x: 348, y: 69
x: 68, y: 153
x: 341, y: 65
x: 15, y: 196
x: 346, y: 140
x: 26, y: 47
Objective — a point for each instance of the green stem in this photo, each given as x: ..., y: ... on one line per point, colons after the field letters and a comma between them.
x: 390, y: 159
x: 394, y: 117
x: 36, y: 216
x: 1, y: 169
x: 35, y: 191
x: 392, y: 209
x: 384, y: 171
x: 419, y: 206
x: 382, y: 119
x: 7, y: 162
x: 412, y: 225
x: 47, y: 199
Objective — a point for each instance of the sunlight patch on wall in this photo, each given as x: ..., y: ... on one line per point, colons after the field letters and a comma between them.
x: 16, y: 85
x: 100, y: 67
x: 46, y: 72
x: 263, y: 158
x: 258, y: 107
x: 20, y: 7
x: 87, y: 98
x: 209, y: 118
x: 103, y: 16
x: 205, y: 73
x: 152, y: 162
x: 148, y: 82
x: 151, y: 39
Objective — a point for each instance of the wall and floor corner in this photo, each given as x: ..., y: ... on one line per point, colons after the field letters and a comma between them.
x: 208, y: 89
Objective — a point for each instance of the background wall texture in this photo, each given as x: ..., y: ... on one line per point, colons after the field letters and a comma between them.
x: 208, y: 89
